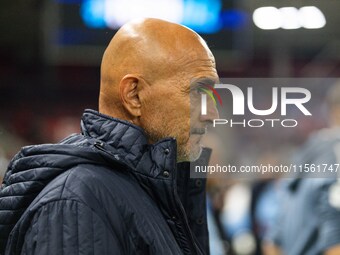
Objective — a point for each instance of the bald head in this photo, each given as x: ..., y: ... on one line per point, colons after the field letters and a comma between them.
x: 151, y: 49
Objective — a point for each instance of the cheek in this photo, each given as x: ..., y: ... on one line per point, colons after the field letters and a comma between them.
x: 195, y: 103
x: 195, y: 112
x: 174, y: 110
x: 167, y: 111
x: 184, y: 117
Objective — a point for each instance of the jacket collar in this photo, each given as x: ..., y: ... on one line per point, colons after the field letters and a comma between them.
x: 127, y: 144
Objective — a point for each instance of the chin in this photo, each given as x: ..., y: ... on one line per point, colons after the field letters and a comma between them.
x: 195, y: 153
x: 190, y: 154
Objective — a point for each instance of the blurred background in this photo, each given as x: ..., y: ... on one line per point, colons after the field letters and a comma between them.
x: 50, y: 53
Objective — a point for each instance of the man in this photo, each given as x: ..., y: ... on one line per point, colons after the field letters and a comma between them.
x: 122, y: 186
x: 309, y: 223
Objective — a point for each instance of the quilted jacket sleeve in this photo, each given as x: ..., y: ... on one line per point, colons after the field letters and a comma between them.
x: 69, y: 227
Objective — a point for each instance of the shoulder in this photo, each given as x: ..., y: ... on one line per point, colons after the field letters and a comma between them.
x: 97, y: 186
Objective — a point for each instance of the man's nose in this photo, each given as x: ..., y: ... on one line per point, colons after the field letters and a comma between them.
x: 212, y: 112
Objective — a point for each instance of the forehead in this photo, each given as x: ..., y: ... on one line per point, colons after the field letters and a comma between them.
x: 201, y: 70
x: 195, y: 62
x: 202, y: 66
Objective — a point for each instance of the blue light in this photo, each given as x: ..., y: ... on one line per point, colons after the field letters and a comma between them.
x: 202, y: 15
x: 234, y: 19
x: 92, y: 12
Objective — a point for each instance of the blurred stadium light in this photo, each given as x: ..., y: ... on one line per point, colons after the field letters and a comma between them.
x: 201, y: 15
x: 312, y: 17
x: 290, y: 18
x: 269, y: 17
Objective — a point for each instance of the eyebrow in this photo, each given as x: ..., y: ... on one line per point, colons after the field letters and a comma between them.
x: 205, y: 81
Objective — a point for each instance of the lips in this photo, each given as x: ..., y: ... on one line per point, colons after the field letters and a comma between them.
x: 198, y: 131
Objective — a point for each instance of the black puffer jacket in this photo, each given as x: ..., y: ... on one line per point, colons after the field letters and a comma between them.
x: 105, y: 191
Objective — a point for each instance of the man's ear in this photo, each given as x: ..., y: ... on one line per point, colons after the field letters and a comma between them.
x: 129, y: 87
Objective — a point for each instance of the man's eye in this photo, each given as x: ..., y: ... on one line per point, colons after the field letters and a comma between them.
x: 201, y: 91
x: 198, y: 90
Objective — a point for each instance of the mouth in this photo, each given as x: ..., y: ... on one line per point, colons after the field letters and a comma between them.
x: 198, y: 131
